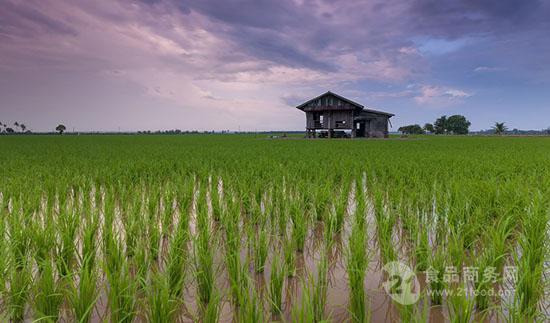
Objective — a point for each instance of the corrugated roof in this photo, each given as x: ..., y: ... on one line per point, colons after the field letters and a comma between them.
x: 355, y: 105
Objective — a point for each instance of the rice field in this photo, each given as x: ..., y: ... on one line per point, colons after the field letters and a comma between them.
x: 239, y: 228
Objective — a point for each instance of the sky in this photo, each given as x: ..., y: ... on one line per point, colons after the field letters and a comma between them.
x: 245, y: 64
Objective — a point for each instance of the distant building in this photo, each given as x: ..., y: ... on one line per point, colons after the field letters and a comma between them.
x: 332, y: 114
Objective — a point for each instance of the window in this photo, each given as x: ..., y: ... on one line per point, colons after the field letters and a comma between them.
x: 321, y: 119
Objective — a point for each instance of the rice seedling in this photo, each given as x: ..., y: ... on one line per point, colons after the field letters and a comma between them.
x: 299, y: 226
x: 304, y: 311
x: 320, y: 289
x: 437, y: 283
x: 289, y: 250
x: 211, y: 312
x: 357, y: 263
x: 83, y: 294
x: 534, y: 250
x: 460, y: 306
x: 260, y: 247
x: 177, y: 260
x: 48, y: 293
x: 276, y: 282
x: 18, y: 292
x: 204, y: 255
x: 161, y: 307
x: 122, y: 291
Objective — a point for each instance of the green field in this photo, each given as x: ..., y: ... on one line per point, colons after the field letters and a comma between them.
x: 242, y: 228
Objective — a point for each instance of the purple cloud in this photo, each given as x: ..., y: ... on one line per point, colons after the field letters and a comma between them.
x: 195, y: 61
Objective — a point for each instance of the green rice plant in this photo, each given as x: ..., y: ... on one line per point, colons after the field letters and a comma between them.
x: 289, y: 250
x: 385, y: 226
x: 322, y: 198
x: 320, y: 289
x: 251, y: 309
x: 237, y: 277
x: 283, y: 211
x: 215, y: 198
x: 204, y: 255
x: 17, y: 293
x: 304, y: 311
x: 460, y: 306
x: 211, y: 312
x: 235, y: 267
x: 43, y: 242
x: 68, y: 224
x: 534, y: 250
x: 89, y: 245
x: 153, y: 225
x: 141, y: 263
x: 276, y: 282
x: 83, y: 294
x: 132, y: 226
x: 19, y: 237
x: 4, y: 253
x: 177, y: 259
x: 415, y: 313
x: 167, y: 200
x: 422, y: 245
x: 357, y: 263
x: 161, y: 307
x: 114, y: 257
x: 340, y: 207
x: 260, y: 247
x: 486, y: 264
x: 299, y: 226
x: 121, y: 293
x: 437, y: 283
x: 48, y: 294
x: 455, y: 248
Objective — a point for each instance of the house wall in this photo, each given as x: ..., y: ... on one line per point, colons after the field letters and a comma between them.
x: 341, y: 119
x: 377, y: 126
x: 331, y: 120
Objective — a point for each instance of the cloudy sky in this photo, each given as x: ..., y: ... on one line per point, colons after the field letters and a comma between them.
x: 204, y: 64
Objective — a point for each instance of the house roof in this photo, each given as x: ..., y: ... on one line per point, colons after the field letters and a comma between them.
x: 354, y: 105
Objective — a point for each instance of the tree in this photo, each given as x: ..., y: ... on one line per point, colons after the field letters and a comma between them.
x: 60, y: 128
x: 499, y: 128
x: 455, y: 124
x: 440, y: 125
x: 413, y: 129
x: 10, y: 130
x: 458, y: 125
x: 23, y: 127
x: 428, y: 127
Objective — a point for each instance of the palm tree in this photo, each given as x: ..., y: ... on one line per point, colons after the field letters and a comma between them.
x: 500, y: 128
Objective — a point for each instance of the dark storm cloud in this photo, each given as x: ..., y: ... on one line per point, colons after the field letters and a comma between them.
x: 310, y: 33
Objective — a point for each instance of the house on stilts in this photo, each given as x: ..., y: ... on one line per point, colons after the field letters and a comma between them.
x: 331, y: 115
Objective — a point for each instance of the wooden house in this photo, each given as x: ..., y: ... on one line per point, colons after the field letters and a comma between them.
x: 330, y: 113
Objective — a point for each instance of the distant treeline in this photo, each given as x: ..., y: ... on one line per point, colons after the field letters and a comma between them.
x: 459, y: 125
